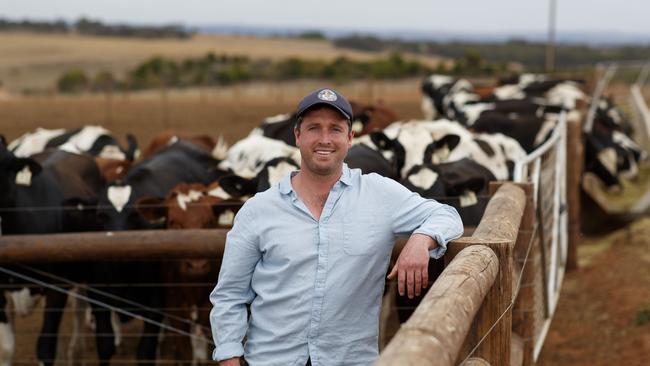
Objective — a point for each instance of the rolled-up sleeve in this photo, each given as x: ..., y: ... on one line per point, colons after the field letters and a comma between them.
x: 412, y: 214
x: 229, y: 317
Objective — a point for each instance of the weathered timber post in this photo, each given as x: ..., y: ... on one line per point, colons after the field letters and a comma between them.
x: 523, y: 313
x: 498, y: 230
x: 434, y: 333
x: 575, y: 163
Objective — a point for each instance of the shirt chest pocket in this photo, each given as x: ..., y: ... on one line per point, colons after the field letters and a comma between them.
x: 360, y: 236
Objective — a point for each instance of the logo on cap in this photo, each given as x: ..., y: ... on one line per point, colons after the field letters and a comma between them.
x: 327, y: 95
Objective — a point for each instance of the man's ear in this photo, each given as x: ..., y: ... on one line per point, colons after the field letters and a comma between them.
x: 296, y: 134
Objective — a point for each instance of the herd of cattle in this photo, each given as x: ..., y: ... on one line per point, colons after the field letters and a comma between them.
x: 55, y: 181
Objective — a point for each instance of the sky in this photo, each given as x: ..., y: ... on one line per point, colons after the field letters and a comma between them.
x: 460, y: 16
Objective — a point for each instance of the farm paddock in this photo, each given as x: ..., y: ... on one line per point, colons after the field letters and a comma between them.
x: 595, y: 318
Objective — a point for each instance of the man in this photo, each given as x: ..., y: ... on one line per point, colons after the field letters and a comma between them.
x: 309, y: 255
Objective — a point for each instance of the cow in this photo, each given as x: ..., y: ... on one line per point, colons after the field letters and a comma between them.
x: 443, y: 96
x: 117, y: 210
x: 418, y: 142
x: 371, y: 117
x: 243, y: 187
x: 190, y: 206
x: 371, y: 160
x: 366, y: 118
x: 54, y: 191
x: 94, y: 140
x: 609, y: 116
x: 218, y: 148
x: 564, y: 93
x: 457, y: 183
x: 612, y: 155
x: 247, y: 157
x: 529, y: 130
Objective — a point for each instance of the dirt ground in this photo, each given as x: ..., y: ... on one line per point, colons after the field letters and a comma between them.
x: 595, y: 319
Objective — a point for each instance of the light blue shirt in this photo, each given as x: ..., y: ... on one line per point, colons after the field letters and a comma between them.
x: 315, y: 286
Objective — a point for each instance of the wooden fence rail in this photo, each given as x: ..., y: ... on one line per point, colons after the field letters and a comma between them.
x: 122, y: 245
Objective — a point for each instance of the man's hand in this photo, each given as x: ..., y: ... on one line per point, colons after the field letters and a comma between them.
x: 230, y: 362
x: 411, y: 268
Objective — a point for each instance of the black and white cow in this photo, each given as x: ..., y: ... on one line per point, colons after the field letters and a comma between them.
x: 181, y: 162
x: 459, y: 183
x: 444, y: 96
x: 564, y: 93
x: 529, y: 130
x: 37, y: 195
x: 419, y: 142
x: 243, y: 187
x: 93, y: 140
x: 247, y: 157
x: 371, y: 160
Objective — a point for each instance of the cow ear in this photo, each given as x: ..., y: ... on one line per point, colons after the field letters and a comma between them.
x: 237, y: 186
x: 451, y: 141
x: 20, y: 164
x: 152, y: 209
x: 381, y: 140
x: 3, y: 140
x: 132, y: 152
x: 224, y: 212
x: 477, y: 185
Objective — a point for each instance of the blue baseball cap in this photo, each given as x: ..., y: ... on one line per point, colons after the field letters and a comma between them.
x: 325, y: 96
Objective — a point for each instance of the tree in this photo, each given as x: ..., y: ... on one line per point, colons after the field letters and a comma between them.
x: 73, y: 81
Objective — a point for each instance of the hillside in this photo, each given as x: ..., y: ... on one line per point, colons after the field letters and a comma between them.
x: 35, y: 61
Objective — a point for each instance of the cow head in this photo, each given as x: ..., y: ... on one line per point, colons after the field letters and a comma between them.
x: 271, y: 173
x: 434, y: 89
x: 609, y: 118
x: 112, y: 169
x: 612, y: 156
x: 115, y: 209
x: 461, y: 184
x: 390, y: 149
x: 438, y: 151
x: 191, y: 206
x: 14, y: 171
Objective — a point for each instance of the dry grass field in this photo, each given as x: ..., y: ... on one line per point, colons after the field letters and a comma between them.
x: 30, y: 60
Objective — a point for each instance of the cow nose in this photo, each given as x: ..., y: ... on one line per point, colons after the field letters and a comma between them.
x: 197, y: 266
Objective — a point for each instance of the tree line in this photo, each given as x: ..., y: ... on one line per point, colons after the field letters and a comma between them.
x: 96, y: 28
x: 213, y: 70
x: 529, y: 54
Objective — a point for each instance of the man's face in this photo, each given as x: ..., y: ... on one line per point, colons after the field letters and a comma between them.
x: 324, y: 138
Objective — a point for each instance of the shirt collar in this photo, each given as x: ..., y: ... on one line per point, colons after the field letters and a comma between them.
x: 286, y: 187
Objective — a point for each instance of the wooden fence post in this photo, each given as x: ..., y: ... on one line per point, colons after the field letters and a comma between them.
x: 498, y: 230
x: 523, y: 314
x: 575, y: 162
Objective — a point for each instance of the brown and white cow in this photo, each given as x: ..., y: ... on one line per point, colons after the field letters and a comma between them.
x: 166, y: 138
x: 190, y: 206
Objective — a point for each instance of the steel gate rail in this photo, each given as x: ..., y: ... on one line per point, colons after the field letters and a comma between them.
x: 546, y: 169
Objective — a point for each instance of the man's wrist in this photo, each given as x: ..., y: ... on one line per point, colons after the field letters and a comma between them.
x: 430, y: 242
